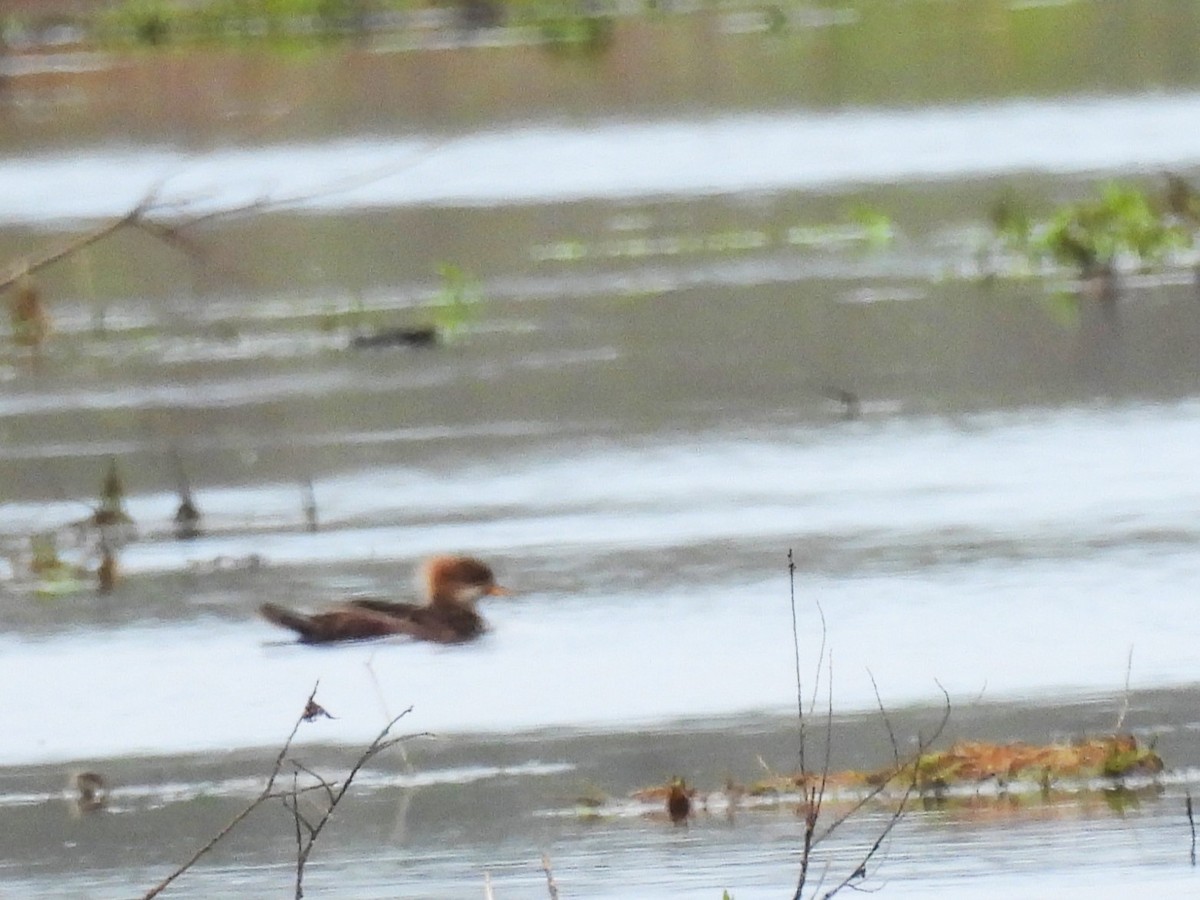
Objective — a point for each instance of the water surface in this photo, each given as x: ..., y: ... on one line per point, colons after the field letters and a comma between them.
x: 641, y: 420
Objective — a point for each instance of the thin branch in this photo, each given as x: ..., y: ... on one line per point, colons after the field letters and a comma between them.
x: 1125, y: 699
x: 796, y: 656
x: 551, y: 885
x: 321, y: 784
x: 291, y: 737
x: 146, y: 213
x: 266, y: 794
x: 923, y: 744
x: 813, y: 795
x: 296, y: 818
x: 213, y: 841
x: 381, y: 742
x: 49, y: 257
x: 812, y: 703
x: 887, y: 723
x: 1191, y: 824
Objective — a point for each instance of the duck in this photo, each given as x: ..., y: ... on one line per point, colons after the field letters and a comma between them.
x: 452, y: 585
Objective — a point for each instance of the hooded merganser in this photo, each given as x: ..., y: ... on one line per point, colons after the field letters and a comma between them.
x: 452, y: 585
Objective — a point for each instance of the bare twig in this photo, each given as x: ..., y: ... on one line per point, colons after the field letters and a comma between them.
x: 267, y: 793
x: 551, y: 885
x: 813, y: 789
x: 148, y: 213
x: 910, y: 788
x: 887, y: 723
x: 796, y: 654
x: 1125, y: 699
x: 813, y: 793
x: 307, y: 830
x: 383, y: 740
x: 1191, y: 824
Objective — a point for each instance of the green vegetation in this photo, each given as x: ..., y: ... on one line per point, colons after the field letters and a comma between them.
x: 1123, y: 226
x: 860, y: 226
x: 456, y: 304
x: 157, y: 22
x: 571, y: 28
x: 969, y: 762
x: 560, y: 24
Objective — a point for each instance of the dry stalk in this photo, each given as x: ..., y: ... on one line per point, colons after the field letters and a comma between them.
x: 148, y: 215
x: 551, y: 884
x: 306, y: 832
x: 267, y: 793
x: 1125, y: 697
x: 1191, y: 824
x: 814, y: 790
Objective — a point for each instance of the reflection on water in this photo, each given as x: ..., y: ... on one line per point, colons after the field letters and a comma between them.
x: 619, y: 161
x: 686, y: 363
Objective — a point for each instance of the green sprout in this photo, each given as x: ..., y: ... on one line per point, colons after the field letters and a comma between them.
x: 877, y: 228
x: 456, y: 304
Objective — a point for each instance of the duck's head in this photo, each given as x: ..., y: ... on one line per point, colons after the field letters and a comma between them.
x: 459, y: 579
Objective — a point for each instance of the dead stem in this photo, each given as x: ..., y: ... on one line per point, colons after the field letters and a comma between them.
x: 266, y: 794
x: 306, y: 830
x: 551, y: 885
x: 814, y: 791
x: 1191, y: 824
x: 1125, y: 697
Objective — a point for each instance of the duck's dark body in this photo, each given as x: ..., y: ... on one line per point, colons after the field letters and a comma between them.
x: 453, y: 585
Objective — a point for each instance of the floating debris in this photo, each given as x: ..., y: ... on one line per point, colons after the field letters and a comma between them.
x: 107, y: 574
x: 55, y: 577
x: 187, y: 518
x: 187, y: 515
x: 90, y: 792
x: 675, y: 796
x: 679, y: 801
x: 1116, y: 756
x: 851, y: 405
x: 972, y: 763
x: 421, y: 336
x: 970, y: 774
x: 310, y: 506
x: 114, y: 523
x: 27, y: 313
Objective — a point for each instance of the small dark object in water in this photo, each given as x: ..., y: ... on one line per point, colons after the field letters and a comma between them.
x: 851, y: 405
x: 310, y: 507
x: 187, y: 519
x: 476, y: 14
x: 106, y: 574
x: 30, y: 323
x: 679, y: 801
x: 424, y: 336
x: 90, y: 792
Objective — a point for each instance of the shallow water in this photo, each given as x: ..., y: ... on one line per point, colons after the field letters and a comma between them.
x: 638, y: 425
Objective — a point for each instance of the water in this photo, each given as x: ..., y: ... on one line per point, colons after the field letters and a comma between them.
x: 624, y: 160
x: 638, y: 426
